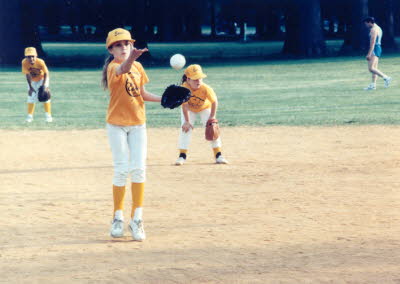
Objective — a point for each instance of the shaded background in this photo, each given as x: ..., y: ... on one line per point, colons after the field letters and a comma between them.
x: 302, y: 25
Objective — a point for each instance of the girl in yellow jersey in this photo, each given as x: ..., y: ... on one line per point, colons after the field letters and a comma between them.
x: 37, y: 75
x: 203, y: 103
x: 126, y: 127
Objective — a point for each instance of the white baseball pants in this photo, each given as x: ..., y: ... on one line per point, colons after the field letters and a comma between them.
x: 36, y: 85
x: 185, y: 137
x: 129, y: 152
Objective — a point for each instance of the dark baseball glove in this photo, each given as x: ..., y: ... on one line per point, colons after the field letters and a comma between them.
x: 212, y: 130
x: 44, y: 94
x: 174, y: 96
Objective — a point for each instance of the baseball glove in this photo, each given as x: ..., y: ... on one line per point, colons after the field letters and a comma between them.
x: 43, y: 94
x: 174, y: 96
x: 212, y: 130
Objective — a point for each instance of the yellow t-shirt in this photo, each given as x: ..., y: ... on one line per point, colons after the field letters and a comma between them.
x: 201, y: 99
x: 126, y: 105
x: 36, y: 70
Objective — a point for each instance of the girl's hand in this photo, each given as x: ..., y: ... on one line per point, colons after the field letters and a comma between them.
x: 186, y: 126
x: 136, y: 53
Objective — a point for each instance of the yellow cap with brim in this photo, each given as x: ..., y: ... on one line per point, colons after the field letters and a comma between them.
x: 117, y: 35
x: 194, y: 72
x: 30, y: 51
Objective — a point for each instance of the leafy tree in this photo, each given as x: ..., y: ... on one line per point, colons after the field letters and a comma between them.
x: 356, y: 34
x: 18, y: 29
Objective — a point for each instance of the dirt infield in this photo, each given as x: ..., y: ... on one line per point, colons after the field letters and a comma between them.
x: 296, y: 205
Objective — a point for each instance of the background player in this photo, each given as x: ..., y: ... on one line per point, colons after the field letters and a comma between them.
x: 37, y: 75
x: 374, y: 52
x: 126, y: 127
x: 203, y: 103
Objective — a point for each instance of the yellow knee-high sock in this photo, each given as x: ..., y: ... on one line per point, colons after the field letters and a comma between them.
x: 216, y: 151
x: 47, y: 107
x: 118, y: 195
x: 31, y: 108
x: 137, y: 196
x: 182, y: 151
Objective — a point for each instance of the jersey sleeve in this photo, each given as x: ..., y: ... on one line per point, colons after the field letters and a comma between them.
x: 24, y: 67
x: 211, y: 96
x: 44, y: 67
x: 144, y: 79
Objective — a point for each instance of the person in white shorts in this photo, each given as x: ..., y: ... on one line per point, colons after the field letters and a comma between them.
x: 37, y: 75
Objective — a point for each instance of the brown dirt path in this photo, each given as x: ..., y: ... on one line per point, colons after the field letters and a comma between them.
x: 296, y: 205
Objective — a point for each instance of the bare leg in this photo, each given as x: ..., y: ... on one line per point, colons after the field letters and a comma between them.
x: 373, y: 68
x: 374, y: 76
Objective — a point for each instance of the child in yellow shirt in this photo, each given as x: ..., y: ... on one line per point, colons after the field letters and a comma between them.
x: 37, y: 75
x: 126, y: 127
x: 203, y: 102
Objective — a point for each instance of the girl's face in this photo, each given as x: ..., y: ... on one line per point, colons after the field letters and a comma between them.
x: 31, y: 59
x: 194, y: 84
x: 121, y: 50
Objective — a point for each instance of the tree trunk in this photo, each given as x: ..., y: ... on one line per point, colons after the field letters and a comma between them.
x: 356, y: 35
x: 213, y: 19
x: 273, y: 24
x: 261, y: 18
x: 170, y: 26
x: 52, y: 13
x: 106, y: 21
x: 388, y: 40
x: 304, y: 35
x: 139, y: 28
x: 193, y: 20
x: 18, y: 29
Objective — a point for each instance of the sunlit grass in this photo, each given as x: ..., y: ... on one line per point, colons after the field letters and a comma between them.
x: 301, y: 92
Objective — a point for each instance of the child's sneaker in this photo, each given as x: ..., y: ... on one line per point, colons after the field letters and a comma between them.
x: 387, y: 81
x: 117, y: 228
x: 221, y: 160
x: 370, y: 87
x: 49, y: 118
x: 29, y: 118
x: 180, y: 161
x: 137, y: 229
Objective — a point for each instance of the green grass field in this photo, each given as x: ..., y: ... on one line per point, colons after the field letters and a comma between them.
x: 299, y: 92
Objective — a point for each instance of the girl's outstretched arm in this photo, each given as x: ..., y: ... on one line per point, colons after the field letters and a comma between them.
x: 149, y: 97
x: 125, y: 67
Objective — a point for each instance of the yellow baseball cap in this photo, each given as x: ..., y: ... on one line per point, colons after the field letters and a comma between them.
x: 117, y: 35
x: 30, y: 51
x: 194, y: 72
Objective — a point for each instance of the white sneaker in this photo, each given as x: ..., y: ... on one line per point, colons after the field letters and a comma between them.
x: 221, y: 160
x: 117, y: 228
x: 180, y: 161
x: 387, y: 81
x: 29, y: 118
x: 137, y: 229
x: 49, y: 118
x: 370, y: 87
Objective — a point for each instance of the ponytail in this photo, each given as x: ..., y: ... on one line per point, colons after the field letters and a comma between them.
x: 184, y: 78
x: 104, y: 81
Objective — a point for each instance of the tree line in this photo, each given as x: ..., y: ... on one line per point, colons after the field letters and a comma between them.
x: 303, y: 25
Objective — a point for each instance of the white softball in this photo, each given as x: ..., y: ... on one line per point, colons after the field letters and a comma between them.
x: 177, y: 61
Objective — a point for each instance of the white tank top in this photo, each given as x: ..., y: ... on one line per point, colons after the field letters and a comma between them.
x: 379, y: 36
